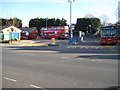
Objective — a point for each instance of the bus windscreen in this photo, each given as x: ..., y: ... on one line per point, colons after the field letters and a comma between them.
x: 108, y: 33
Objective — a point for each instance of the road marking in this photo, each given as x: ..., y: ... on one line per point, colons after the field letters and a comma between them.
x: 13, y: 80
x: 36, y: 51
x: 64, y: 57
x: 95, y: 60
x: 34, y: 86
x: 33, y: 44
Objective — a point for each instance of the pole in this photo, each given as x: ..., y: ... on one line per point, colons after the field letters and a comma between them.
x: 70, y: 26
x: 46, y: 21
x: 70, y: 13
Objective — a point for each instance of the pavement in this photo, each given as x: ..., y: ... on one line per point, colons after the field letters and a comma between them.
x: 25, y: 43
x: 88, y: 40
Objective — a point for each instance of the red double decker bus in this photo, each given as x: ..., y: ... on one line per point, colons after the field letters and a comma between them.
x: 110, y: 34
x: 29, y: 33
x: 59, y: 32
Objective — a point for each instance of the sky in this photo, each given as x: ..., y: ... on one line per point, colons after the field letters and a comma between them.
x: 30, y: 9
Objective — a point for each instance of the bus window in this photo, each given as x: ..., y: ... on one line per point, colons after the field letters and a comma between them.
x: 108, y: 33
x: 58, y: 28
x: 62, y: 27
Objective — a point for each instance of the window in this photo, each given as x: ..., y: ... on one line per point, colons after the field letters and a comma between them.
x: 34, y: 34
x: 62, y: 27
x: 51, y: 34
x: 108, y: 33
x: 27, y: 29
x: 23, y: 34
x: 48, y: 34
x: 57, y: 27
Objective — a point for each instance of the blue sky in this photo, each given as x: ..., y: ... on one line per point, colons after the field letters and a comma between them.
x: 29, y: 9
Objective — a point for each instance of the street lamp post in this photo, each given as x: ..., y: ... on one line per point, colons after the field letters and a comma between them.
x: 70, y: 26
x: 46, y: 21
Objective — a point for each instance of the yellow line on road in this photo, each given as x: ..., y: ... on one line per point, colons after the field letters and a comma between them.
x: 33, y: 44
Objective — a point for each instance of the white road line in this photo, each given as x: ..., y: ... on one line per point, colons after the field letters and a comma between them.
x: 64, y: 57
x: 34, y: 86
x: 95, y: 60
x: 13, y: 80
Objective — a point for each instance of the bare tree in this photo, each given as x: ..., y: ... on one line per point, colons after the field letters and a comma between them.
x: 117, y: 12
x: 104, y: 20
x: 89, y: 16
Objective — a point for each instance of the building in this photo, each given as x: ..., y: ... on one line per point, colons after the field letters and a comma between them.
x: 11, y: 33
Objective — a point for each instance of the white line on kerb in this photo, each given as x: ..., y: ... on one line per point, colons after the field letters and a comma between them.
x: 13, y: 80
x: 35, y: 86
x: 95, y: 60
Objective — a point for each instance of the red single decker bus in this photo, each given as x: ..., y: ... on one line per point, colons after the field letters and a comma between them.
x: 29, y: 33
x: 110, y: 34
x: 58, y: 32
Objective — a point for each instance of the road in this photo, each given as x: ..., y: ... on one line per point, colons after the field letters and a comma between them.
x: 59, y: 67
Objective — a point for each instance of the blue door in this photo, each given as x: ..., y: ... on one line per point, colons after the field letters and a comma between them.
x: 16, y: 35
x: 10, y: 36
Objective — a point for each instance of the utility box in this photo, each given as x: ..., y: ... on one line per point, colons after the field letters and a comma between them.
x: 1, y: 36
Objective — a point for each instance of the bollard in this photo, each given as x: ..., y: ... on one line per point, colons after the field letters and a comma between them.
x: 53, y: 41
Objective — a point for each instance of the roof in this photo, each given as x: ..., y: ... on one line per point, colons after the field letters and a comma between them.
x: 11, y: 29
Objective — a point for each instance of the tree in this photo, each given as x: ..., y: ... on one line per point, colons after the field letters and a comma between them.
x: 8, y: 22
x: 3, y: 22
x: 89, y: 16
x: 117, y: 13
x: 104, y: 20
x: 87, y: 24
x: 41, y: 22
x: 15, y: 22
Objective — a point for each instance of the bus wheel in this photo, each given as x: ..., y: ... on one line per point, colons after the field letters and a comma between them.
x: 30, y: 38
x: 45, y: 38
x: 102, y: 44
x: 59, y: 38
x: 114, y: 43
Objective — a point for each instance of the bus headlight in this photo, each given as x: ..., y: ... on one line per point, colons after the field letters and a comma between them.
x: 102, y: 41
